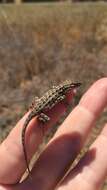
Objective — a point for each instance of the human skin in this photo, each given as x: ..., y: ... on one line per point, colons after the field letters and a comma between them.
x: 90, y: 172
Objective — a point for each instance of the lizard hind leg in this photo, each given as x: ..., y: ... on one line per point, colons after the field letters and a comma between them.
x: 43, y: 118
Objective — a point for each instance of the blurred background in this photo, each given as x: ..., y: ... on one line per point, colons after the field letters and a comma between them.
x: 44, y: 43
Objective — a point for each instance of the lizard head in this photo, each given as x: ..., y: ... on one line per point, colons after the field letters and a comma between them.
x: 68, y: 85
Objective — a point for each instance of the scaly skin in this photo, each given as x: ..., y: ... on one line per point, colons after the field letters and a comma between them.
x: 45, y: 103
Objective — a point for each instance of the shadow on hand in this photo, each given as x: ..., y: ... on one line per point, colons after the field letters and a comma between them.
x: 56, y: 159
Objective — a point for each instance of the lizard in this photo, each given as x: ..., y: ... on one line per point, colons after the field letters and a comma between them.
x: 39, y: 106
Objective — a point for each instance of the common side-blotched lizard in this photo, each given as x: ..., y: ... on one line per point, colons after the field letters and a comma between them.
x: 55, y: 95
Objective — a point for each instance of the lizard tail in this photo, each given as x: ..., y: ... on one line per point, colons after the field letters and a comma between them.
x: 30, y: 116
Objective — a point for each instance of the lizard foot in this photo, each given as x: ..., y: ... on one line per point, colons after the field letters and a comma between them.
x: 43, y: 118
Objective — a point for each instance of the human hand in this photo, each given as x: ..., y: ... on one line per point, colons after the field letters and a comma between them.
x: 90, y: 172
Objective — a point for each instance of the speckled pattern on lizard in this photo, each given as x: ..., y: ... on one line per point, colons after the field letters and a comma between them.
x: 52, y: 97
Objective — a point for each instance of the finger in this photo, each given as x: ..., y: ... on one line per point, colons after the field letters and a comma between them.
x: 11, y: 152
x: 92, y: 168
x: 70, y: 137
